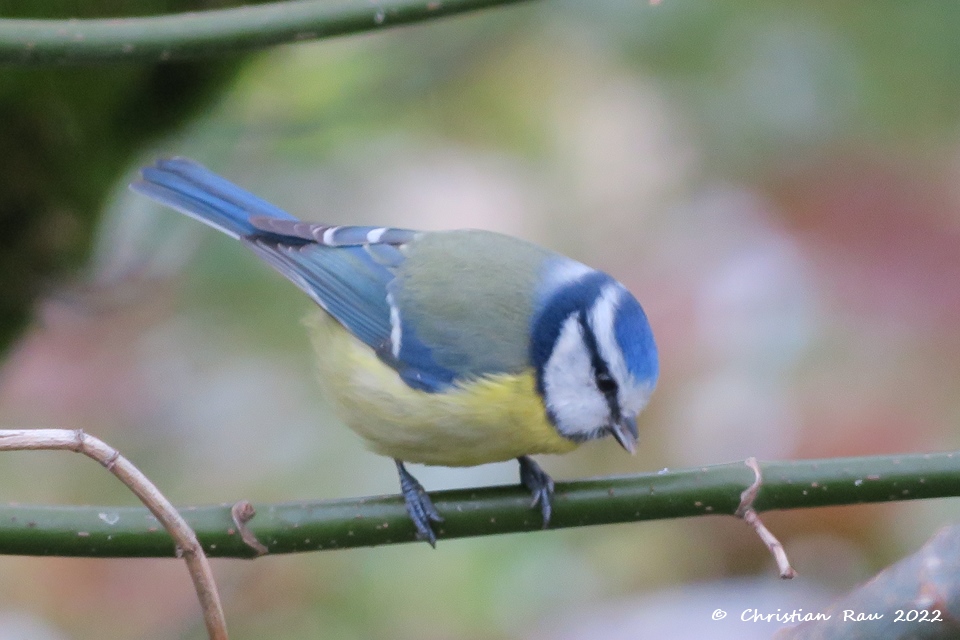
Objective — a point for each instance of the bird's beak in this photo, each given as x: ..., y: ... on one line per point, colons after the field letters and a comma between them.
x: 626, y: 434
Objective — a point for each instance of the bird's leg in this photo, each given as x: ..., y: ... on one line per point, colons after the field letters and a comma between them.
x: 419, y: 507
x: 539, y: 483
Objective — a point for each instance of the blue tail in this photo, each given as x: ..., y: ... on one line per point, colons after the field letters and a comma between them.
x: 199, y: 193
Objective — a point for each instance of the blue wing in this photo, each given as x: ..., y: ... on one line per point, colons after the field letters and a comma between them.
x: 348, y: 271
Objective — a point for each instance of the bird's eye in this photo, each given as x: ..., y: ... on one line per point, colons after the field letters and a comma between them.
x: 605, y: 383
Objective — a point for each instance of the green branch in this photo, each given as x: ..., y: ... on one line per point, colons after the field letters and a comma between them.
x: 310, y: 526
x: 205, y: 33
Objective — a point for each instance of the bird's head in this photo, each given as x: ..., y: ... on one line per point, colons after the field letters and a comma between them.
x: 595, y: 359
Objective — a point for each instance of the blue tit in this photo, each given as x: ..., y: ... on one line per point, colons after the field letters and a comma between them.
x: 452, y: 348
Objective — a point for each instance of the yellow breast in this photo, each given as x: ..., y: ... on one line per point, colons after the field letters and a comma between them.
x: 486, y: 420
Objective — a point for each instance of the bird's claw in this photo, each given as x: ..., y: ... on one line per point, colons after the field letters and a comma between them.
x: 419, y: 506
x: 540, y: 485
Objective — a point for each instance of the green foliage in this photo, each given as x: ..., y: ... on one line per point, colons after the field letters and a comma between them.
x: 67, y: 136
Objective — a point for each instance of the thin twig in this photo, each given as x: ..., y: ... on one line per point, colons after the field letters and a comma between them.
x: 749, y: 515
x: 188, y: 545
x: 242, y: 513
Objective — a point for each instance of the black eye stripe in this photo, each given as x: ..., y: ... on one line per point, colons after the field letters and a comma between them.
x: 605, y: 382
x: 601, y: 372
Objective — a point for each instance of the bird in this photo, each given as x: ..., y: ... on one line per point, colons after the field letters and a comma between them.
x: 451, y: 348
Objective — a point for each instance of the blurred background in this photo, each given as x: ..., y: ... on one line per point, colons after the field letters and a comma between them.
x: 777, y: 184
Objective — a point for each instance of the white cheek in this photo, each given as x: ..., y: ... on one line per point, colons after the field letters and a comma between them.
x: 633, y: 398
x: 571, y: 394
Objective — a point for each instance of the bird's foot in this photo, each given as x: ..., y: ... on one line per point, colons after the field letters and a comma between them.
x: 540, y: 485
x: 419, y: 506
